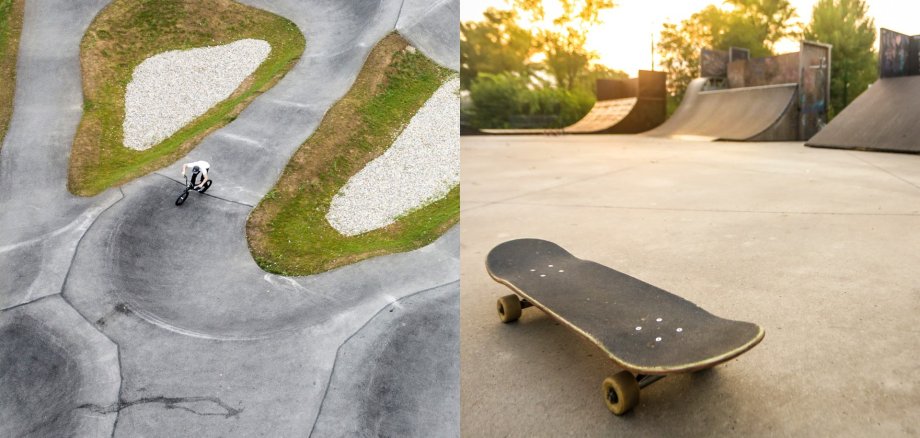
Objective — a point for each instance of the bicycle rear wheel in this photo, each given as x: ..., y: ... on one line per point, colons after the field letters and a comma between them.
x: 206, y: 186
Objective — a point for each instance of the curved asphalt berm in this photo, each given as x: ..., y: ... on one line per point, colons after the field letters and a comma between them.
x: 883, y: 118
x: 40, y: 220
x: 380, y: 403
x: 742, y: 114
x: 209, y: 344
x: 58, y: 375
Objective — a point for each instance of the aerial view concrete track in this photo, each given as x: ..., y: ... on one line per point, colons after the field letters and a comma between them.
x: 123, y: 315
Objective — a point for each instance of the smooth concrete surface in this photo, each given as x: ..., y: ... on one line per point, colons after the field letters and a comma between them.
x: 40, y: 222
x: 207, y: 344
x: 817, y: 246
x: 882, y: 118
x: 377, y: 404
x: 434, y: 28
x: 764, y: 113
x: 58, y: 374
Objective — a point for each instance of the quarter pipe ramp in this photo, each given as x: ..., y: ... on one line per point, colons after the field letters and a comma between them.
x: 763, y: 113
x: 884, y: 117
x: 739, y: 98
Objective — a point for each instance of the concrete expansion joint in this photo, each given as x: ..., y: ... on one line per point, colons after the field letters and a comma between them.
x: 368, y: 321
x: 229, y: 200
x: 421, y: 16
x: 908, y: 182
x: 240, y: 138
x: 285, y: 102
x: 221, y: 409
x: 16, y: 306
x: 206, y: 194
x: 91, y: 221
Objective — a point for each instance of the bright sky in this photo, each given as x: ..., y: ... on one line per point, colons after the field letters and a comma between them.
x: 624, y: 39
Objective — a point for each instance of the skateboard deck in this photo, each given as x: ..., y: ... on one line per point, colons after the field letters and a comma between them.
x: 642, y: 328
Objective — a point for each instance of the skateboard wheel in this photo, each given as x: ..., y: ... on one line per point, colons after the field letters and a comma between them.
x: 509, y: 308
x: 621, y: 392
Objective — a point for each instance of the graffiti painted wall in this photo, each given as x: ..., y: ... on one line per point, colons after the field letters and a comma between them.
x: 713, y: 63
x: 913, y: 61
x: 894, y: 54
x: 772, y: 70
x: 738, y: 54
x: 814, y: 88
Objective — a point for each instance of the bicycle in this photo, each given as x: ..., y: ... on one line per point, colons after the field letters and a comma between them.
x: 188, y: 187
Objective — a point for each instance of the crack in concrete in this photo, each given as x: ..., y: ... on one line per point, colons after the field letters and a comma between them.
x: 168, y: 403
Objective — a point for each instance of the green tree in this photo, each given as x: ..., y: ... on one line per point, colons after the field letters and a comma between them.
x: 503, y: 84
x: 566, y: 56
x: 846, y: 25
x: 496, y: 97
x: 495, y: 45
x: 756, y: 25
x: 679, y: 48
x: 588, y: 81
x: 562, y: 41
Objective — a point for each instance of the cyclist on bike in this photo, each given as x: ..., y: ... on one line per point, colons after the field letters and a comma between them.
x: 198, y: 168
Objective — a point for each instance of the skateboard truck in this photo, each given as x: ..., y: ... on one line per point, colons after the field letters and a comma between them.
x: 621, y: 392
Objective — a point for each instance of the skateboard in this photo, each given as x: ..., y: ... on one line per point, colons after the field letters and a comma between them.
x: 646, y: 331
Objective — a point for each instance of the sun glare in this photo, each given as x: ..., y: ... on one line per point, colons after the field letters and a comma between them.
x: 627, y: 34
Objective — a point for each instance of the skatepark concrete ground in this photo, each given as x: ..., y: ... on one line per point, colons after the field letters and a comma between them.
x: 817, y: 246
x: 123, y: 315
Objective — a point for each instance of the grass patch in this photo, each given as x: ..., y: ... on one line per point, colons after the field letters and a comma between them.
x: 10, y: 28
x: 288, y: 232
x: 126, y: 33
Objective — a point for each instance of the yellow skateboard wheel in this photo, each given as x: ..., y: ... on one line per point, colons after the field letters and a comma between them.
x: 621, y: 392
x: 509, y: 308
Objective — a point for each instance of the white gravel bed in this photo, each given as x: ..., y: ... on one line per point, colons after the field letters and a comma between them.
x: 171, y: 89
x: 421, y: 166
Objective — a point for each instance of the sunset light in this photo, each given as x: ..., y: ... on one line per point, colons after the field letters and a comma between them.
x: 625, y: 37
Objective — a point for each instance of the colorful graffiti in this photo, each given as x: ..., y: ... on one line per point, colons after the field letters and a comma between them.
x: 713, y: 63
x: 813, y: 88
x: 894, y: 54
x: 771, y: 70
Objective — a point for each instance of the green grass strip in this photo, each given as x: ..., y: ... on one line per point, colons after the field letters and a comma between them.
x: 288, y: 231
x: 11, y: 12
x: 126, y: 33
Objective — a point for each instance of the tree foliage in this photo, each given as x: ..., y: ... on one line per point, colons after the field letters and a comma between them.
x: 499, y: 98
x: 494, y: 45
x: 566, y: 56
x: 756, y: 25
x: 562, y: 41
x: 497, y: 62
x: 846, y: 25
